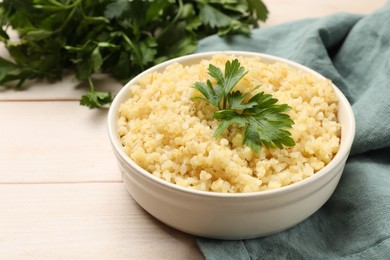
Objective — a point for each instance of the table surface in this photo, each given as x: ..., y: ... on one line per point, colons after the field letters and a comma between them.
x: 61, y: 191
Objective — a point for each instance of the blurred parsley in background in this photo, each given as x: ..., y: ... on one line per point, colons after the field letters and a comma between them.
x: 118, y: 37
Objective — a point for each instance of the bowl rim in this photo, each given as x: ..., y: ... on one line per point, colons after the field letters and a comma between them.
x: 342, y: 153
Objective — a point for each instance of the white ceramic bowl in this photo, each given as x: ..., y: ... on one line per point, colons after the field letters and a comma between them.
x: 239, y: 215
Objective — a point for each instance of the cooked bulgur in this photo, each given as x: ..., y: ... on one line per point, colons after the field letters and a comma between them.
x: 171, y: 135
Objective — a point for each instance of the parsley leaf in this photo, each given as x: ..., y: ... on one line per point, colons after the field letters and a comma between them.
x: 225, y: 83
x: 264, y: 122
x: 94, y: 99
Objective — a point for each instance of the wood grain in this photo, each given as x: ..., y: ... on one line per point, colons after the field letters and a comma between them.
x: 54, y: 142
x: 94, y: 221
x: 69, y: 88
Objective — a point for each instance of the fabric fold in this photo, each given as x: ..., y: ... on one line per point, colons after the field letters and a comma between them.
x: 354, y: 52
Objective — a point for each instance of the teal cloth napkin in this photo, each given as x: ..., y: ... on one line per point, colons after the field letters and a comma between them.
x: 354, y: 52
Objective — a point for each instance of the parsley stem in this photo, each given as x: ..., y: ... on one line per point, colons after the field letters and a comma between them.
x: 91, y: 85
x: 58, y: 4
x: 174, y: 20
x: 137, y: 53
x: 74, y: 8
x: 92, y: 18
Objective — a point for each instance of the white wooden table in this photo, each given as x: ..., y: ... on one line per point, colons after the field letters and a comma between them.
x: 61, y: 193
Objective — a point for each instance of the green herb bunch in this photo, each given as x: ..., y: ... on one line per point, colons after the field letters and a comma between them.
x: 264, y: 122
x: 118, y: 37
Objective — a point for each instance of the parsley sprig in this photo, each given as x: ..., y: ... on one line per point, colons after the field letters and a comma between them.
x: 265, y: 123
x: 120, y: 38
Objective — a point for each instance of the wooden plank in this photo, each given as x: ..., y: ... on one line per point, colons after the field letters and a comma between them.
x: 282, y: 11
x: 69, y: 88
x: 54, y: 142
x: 84, y: 221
